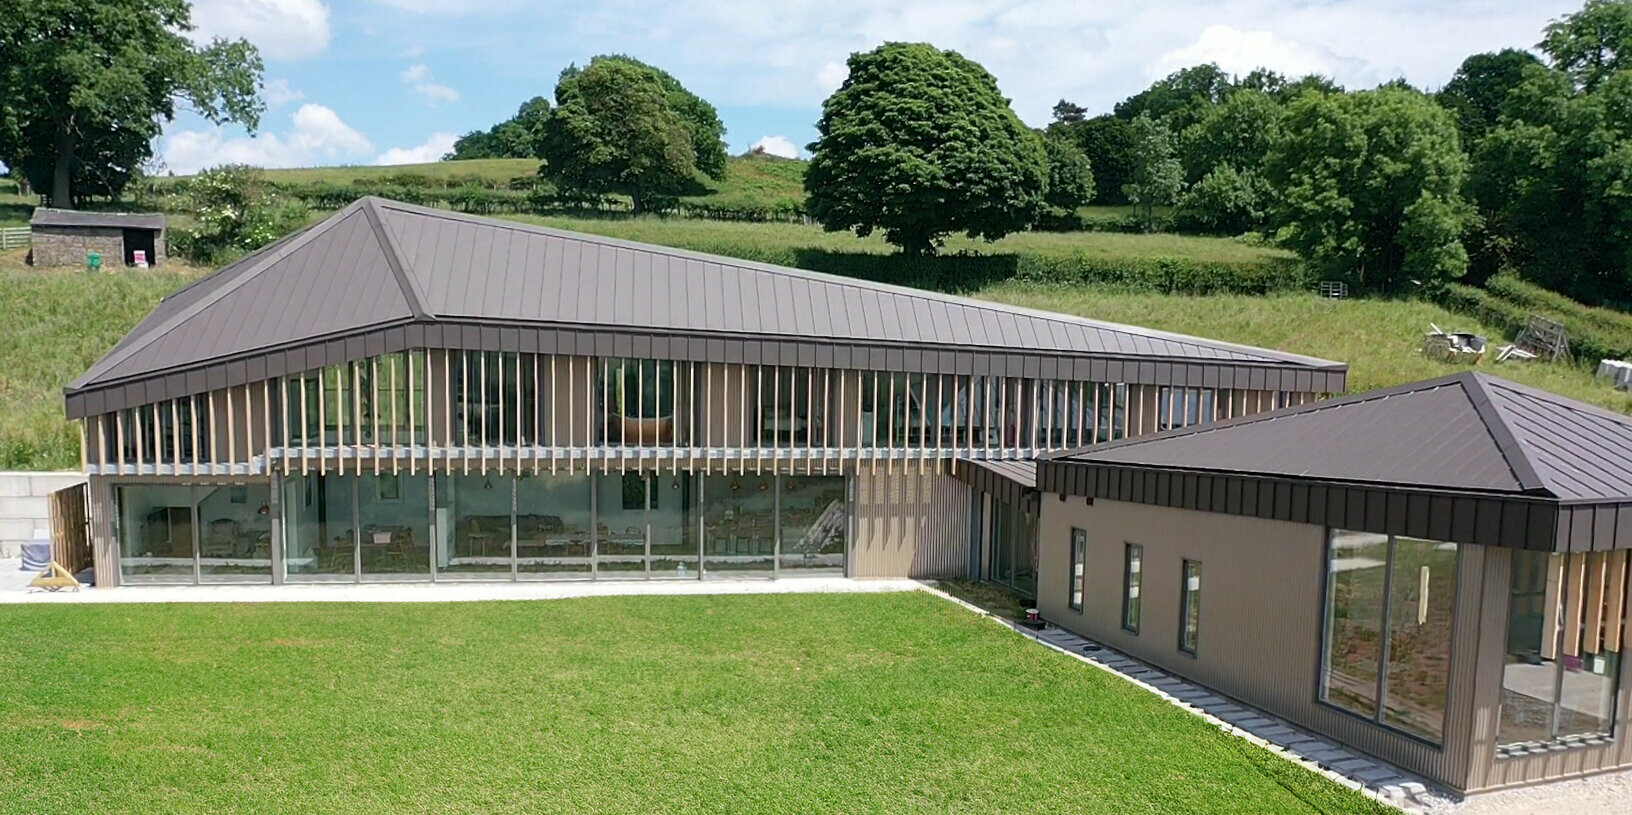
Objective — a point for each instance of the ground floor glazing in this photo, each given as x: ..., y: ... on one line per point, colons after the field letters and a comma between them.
x: 459, y: 526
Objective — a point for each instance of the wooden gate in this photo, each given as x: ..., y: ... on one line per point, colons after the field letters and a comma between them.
x: 70, y: 534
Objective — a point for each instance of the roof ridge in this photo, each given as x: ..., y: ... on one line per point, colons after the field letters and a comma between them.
x: 394, y: 258
x: 1495, y: 422
x: 266, y: 258
x: 1265, y: 355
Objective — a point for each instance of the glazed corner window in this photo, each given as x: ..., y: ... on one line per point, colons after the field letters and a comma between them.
x: 1133, y: 562
x: 1389, y: 607
x: 1558, y: 677
x: 1190, y: 608
x: 1079, y: 556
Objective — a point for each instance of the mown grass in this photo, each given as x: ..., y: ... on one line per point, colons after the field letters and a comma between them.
x: 1380, y: 339
x: 15, y: 208
x: 765, y: 704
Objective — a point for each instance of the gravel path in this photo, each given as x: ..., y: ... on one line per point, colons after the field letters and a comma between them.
x: 1607, y: 794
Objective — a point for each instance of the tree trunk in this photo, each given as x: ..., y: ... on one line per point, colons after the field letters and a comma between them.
x: 61, y: 193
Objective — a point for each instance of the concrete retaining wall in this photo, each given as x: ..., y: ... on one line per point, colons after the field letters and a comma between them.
x: 23, y: 505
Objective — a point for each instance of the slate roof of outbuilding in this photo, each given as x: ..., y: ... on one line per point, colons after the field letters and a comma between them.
x: 44, y: 216
x: 383, y: 263
x: 1469, y: 432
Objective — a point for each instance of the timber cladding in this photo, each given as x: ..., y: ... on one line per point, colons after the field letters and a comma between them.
x: 1262, y: 585
x: 908, y: 522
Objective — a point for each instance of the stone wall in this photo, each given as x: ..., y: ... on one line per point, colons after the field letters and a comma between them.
x: 67, y: 245
x: 23, y: 506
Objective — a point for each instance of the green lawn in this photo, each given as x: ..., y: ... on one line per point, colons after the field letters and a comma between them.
x: 776, y: 703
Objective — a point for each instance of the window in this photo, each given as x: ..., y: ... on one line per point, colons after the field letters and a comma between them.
x: 1079, y: 546
x: 1558, y: 678
x: 1190, y: 608
x: 1389, y: 607
x: 1133, y: 561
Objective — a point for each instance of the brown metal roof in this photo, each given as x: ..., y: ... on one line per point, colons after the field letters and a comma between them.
x: 1556, y: 468
x: 1009, y: 481
x: 379, y: 266
x: 116, y: 220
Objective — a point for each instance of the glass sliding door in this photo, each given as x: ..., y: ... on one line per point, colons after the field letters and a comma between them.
x: 234, y: 533
x: 739, y: 517
x: 393, y: 519
x: 156, y: 530
x: 320, y: 528
x: 814, y: 520
x: 553, y: 528
x: 473, y: 526
x: 671, y: 515
x: 620, y: 523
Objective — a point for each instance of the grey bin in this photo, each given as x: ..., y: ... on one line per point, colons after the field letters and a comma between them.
x: 37, y: 552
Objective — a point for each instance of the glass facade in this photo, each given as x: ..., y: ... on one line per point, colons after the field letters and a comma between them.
x: 1011, y: 543
x: 1559, y: 676
x: 814, y: 521
x: 1390, y: 603
x: 554, y: 530
x: 739, y: 523
x: 194, y: 533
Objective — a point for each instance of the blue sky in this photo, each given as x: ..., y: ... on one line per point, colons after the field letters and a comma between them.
x: 394, y: 81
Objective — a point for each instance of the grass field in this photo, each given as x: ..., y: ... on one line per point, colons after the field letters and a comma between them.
x: 765, y: 704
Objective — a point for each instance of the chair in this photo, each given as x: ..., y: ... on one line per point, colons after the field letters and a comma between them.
x: 222, y: 540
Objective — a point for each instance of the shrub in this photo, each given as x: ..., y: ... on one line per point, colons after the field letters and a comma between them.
x: 235, y: 211
x: 1588, y: 343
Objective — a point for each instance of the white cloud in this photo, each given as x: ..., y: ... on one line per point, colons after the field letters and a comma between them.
x: 438, y: 145
x: 316, y: 135
x: 277, y: 93
x: 419, y: 77
x: 776, y: 146
x: 412, y: 51
x: 281, y: 29
x: 1238, y: 52
x: 831, y: 76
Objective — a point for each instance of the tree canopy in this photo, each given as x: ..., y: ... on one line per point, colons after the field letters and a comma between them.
x: 1369, y: 187
x: 623, y: 126
x: 515, y: 137
x: 87, y: 85
x: 919, y: 143
x: 1156, y: 175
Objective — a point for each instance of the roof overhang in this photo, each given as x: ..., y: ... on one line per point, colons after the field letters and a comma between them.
x: 1510, y: 520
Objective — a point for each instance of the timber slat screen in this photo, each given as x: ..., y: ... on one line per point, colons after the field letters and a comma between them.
x: 70, y: 538
x: 481, y: 411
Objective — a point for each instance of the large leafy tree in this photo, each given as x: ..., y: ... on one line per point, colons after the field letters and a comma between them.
x: 515, y: 137
x: 1106, y: 140
x: 1593, y: 43
x: 1480, y: 87
x: 1157, y: 176
x: 1369, y: 186
x: 622, y: 126
x: 1223, y: 156
x: 85, y: 86
x: 919, y: 143
x: 1179, y: 99
x: 1554, y: 177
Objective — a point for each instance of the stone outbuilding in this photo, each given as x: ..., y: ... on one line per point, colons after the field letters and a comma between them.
x: 64, y: 237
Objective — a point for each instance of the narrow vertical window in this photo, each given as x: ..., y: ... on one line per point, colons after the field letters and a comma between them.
x: 1133, y: 561
x: 1079, y: 555
x: 1190, y: 610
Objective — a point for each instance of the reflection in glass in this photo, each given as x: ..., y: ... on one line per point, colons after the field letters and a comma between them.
x: 1422, y: 600
x: 1357, y: 566
x: 672, y: 518
x: 739, y: 515
x: 620, y: 515
x: 552, y: 525
x: 1133, y: 566
x: 1557, y: 684
x: 1190, y: 613
x: 814, y: 522
x: 235, y: 533
x: 394, y: 531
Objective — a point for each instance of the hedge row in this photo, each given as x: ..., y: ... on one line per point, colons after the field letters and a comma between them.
x: 1587, y: 342
x: 1511, y: 288
x: 967, y: 271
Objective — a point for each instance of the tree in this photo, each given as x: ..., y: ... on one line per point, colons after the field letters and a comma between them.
x: 1369, y: 186
x: 1238, y: 131
x: 1108, y: 143
x: 87, y: 85
x: 1157, y: 175
x: 1070, y: 179
x: 919, y: 143
x: 616, y: 129
x: 1593, y: 43
x: 515, y: 137
x: 1069, y: 113
x: 1179, y: 99
x: 1479, y: 88
x: 1224, y: 201
x: 236, y: 212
